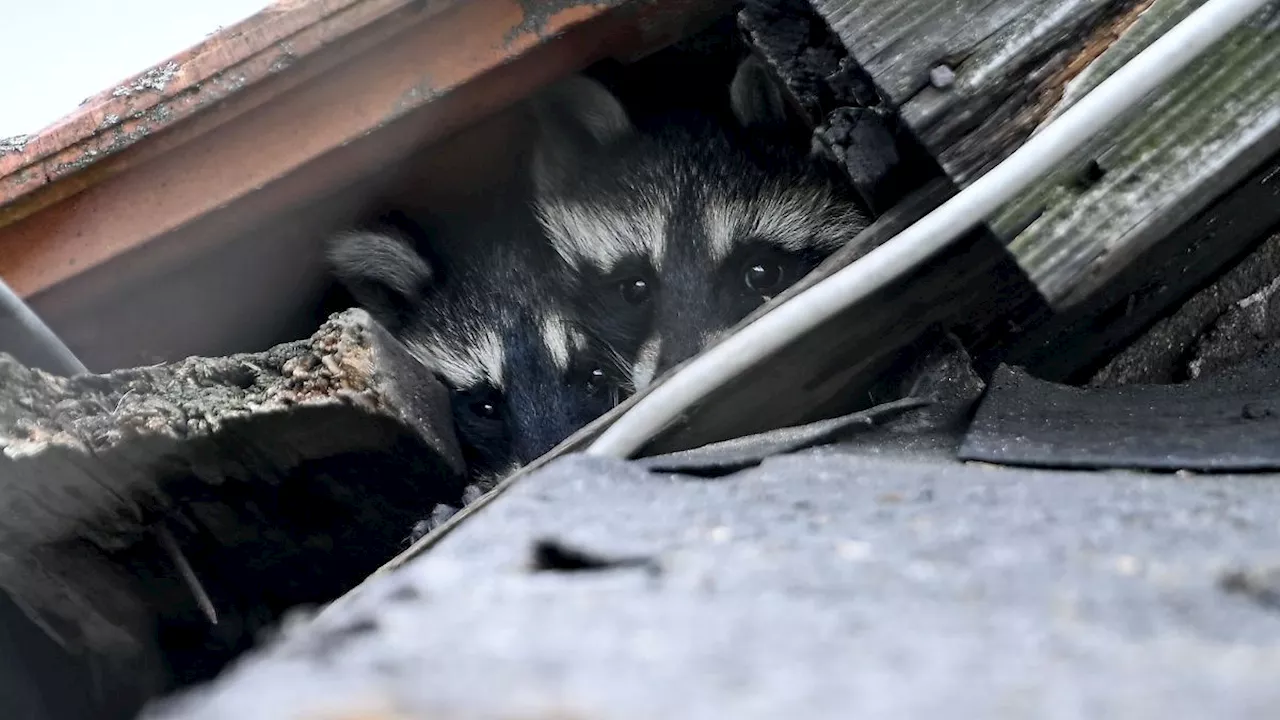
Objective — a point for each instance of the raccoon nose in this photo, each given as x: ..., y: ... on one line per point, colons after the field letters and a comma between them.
x: 677, y: 350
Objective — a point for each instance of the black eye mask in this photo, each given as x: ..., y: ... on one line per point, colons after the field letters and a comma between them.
x: 758, y: 271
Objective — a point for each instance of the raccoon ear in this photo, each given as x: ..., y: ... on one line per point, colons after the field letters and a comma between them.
x: 575, y: 117
x: 382, y: 271
x: 756, y: 99
x: 580, y: 109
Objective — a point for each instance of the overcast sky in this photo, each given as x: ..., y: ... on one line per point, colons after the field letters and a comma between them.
x: 56, y: 53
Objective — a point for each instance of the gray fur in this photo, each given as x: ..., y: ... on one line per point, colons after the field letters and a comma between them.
x: 576, y: 115
x: 702, y: 213
x: 377, y: 270
x: 756, y: 100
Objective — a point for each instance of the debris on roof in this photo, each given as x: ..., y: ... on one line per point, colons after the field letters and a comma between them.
x: 1227, y: 421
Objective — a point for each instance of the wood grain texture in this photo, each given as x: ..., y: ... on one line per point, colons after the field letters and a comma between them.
x: 1152, y: 171
x: 1015, y: 65
x: 973, y: 78
x: 1151, y: 209
x: 1074, y: 343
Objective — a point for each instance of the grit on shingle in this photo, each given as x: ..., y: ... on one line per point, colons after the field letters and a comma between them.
x: 819, y: 585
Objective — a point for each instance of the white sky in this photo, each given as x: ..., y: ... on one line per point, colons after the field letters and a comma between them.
x: 56, y: 53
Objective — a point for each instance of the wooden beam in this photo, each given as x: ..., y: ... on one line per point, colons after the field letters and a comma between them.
x: 974, y: 78
x: 1013, y: 65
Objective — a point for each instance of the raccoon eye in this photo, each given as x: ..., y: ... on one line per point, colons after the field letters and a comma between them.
x: 634, y: 290
x: 763, y: 276
x: 595, y: 379
x: 484, y: 409
x: 591, y: 378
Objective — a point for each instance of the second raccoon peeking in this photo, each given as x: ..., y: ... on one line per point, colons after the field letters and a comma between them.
x: 637, y: 250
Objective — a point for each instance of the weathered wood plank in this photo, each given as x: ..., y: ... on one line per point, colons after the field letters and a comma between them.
x: 1015, y: 64
x: 1155, y: 169
x: 284, y: 476
x: 974, y: 79
x: 1072, y: 344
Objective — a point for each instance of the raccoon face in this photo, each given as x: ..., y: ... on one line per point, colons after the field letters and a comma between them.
x: 522, y: 376
x: 674, y: 235
x: 520, y: 388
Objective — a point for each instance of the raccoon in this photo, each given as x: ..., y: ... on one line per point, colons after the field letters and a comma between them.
x: 522, y: 374
x: 672, y: 234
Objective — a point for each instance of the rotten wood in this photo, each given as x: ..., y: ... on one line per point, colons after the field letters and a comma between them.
x: 973, y: 79
x: 285, y: 477
x: 851, y: 121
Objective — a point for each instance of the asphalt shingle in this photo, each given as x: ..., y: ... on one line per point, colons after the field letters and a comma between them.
x: 823, y: 584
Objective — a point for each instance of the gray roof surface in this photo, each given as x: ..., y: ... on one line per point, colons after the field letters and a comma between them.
x: 830, y: 583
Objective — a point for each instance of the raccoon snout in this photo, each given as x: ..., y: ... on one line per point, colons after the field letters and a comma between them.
x: 676, y: 350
